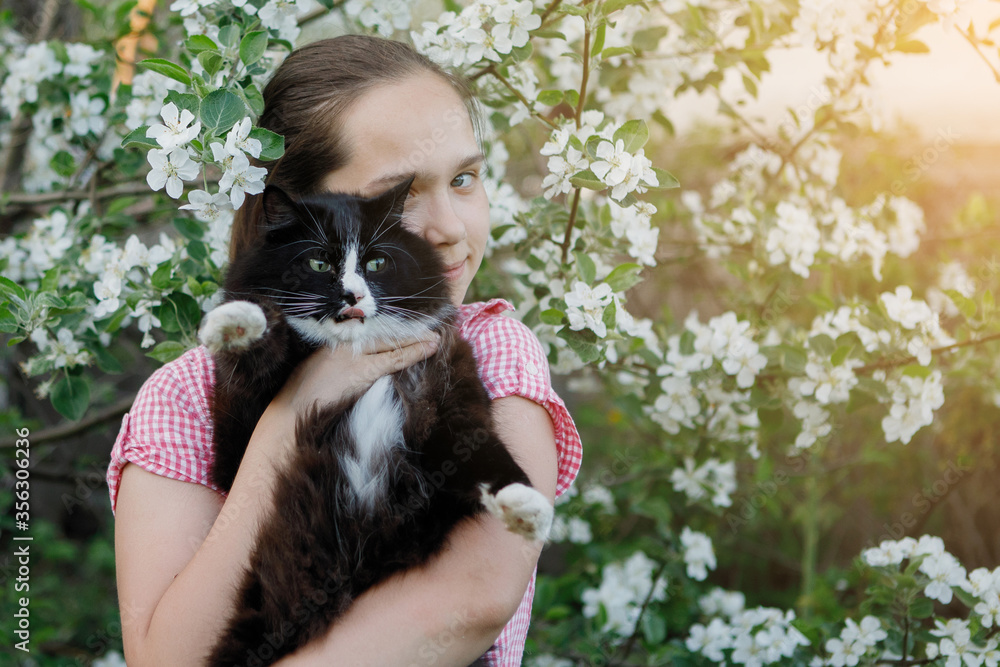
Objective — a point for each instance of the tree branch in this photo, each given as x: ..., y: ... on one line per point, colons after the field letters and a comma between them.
x: 64, y: 431
x: 642, y: 610
x: 893, y: 363
x: 26, y: 199
x: 577, y: 114
x: 968, y: 38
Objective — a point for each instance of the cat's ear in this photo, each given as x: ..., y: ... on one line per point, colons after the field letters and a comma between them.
x: 388, y: 204
x: 279, y: 209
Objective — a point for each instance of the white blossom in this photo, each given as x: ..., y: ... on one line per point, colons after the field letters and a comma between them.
x: 585, y: 307
x: 170, y: 169
x: 241, y: 179
x: 699, y: 556
x: 176, y: 130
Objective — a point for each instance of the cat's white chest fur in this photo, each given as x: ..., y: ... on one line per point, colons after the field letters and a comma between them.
x: 376, y: 426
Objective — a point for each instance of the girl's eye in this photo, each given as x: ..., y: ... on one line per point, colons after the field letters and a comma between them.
x: 374, y: 265
x: 319, y: 265
x: 467, y: 176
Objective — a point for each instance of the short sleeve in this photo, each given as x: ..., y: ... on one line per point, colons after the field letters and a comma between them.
x: 168, y: 430
x: 512, y: 363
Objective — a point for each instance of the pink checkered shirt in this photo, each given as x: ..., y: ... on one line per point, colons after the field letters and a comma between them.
x: 169, y: 429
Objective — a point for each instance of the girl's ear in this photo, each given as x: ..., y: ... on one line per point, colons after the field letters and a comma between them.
x: 388, y: 204
x: 280, y: 211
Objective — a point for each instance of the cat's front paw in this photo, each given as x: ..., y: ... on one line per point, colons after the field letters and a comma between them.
x: 233, y: 326
x: 523, y: 510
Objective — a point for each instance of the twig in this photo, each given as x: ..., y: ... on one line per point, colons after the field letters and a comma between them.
x: 319, y: 13
x: 892, y: 363
x: 642, y: 610
x: 502, y: 79
x: 549, y: 9
x: 968, y: 38
x: 21, y: 127
x: 577, y: 114
x: 64, y: 431
x: 25, y: 199
x: 569, y: 225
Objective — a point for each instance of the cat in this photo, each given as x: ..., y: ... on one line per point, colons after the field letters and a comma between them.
x: 376, y: 482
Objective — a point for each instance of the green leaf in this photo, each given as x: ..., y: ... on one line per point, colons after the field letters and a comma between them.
x: 634, y: 133
x: 613, y: 51
x: 917, y: 371
x: 187, y: 101
x: 71, y: 396
x: 598, y: 44
x: 106, y: 361
x: 119, y: 204
x: 254, y: 99
x: 654, y: 628
x: 167, y: 69
x: 8, y: 287
x: 612, y: 6
x: 550, y: 97
x: 51, y: 300
x: 63, y: 164
x: 965, y: 305
x: 587, y: 179
x: 229, y: 35
x: 911, y: 46
x: 50, y: 281
x: 197, y: 251
x: 179, y: 312
x: 823, y: 345
x: 211, y: 61
x: 220, y: 110
x: 189, y: 228
x: 665, y: 180
x: 922, y: 608
x: 522, y: 53
x: 624, y: 276
x: 840, y: 354
x: 649, y: 39
x: 272, y: 145
x: 553, y: 316
x: 166, y: 351
x: 161, y: 276
x: 252, y: 46
x: 581, y: 342
x: 198, y: 43
x: 586, y: 267
x: 8, y: 323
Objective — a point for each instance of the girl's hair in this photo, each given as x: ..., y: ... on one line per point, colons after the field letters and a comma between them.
x: 306, y: 100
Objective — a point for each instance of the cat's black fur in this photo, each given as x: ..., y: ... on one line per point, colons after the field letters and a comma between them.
x: 323, y: 546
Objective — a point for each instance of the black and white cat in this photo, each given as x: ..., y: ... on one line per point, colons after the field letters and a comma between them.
x: 376, y: 482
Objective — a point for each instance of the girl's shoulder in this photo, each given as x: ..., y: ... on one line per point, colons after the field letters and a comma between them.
x: 512, y: 362
x: 168, y: 430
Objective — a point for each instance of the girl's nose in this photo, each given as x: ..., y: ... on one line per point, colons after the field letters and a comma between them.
x: 444, y: 227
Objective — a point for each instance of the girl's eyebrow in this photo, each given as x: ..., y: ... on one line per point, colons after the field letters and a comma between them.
x: 398, y: 177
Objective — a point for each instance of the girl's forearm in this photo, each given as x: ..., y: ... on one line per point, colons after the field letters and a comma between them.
x: 200, y: 600
x: 448, y: 612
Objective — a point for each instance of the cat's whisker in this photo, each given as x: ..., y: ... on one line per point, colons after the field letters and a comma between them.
x: 394, y: 247
x: 378, y: 230
x: 320, y: 231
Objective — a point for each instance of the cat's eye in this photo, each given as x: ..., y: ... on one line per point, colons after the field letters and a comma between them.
x: 319, y: 265
x: 375, y: 264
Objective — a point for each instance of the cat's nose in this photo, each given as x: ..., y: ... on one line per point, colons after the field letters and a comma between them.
x: 353, y: 296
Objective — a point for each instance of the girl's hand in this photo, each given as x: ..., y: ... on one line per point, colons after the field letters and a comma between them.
x: 330, y: 375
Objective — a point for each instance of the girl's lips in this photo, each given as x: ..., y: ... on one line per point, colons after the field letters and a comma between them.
x: 454, y: 271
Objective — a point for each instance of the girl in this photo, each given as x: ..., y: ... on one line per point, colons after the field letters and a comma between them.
x: 358, y: 114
